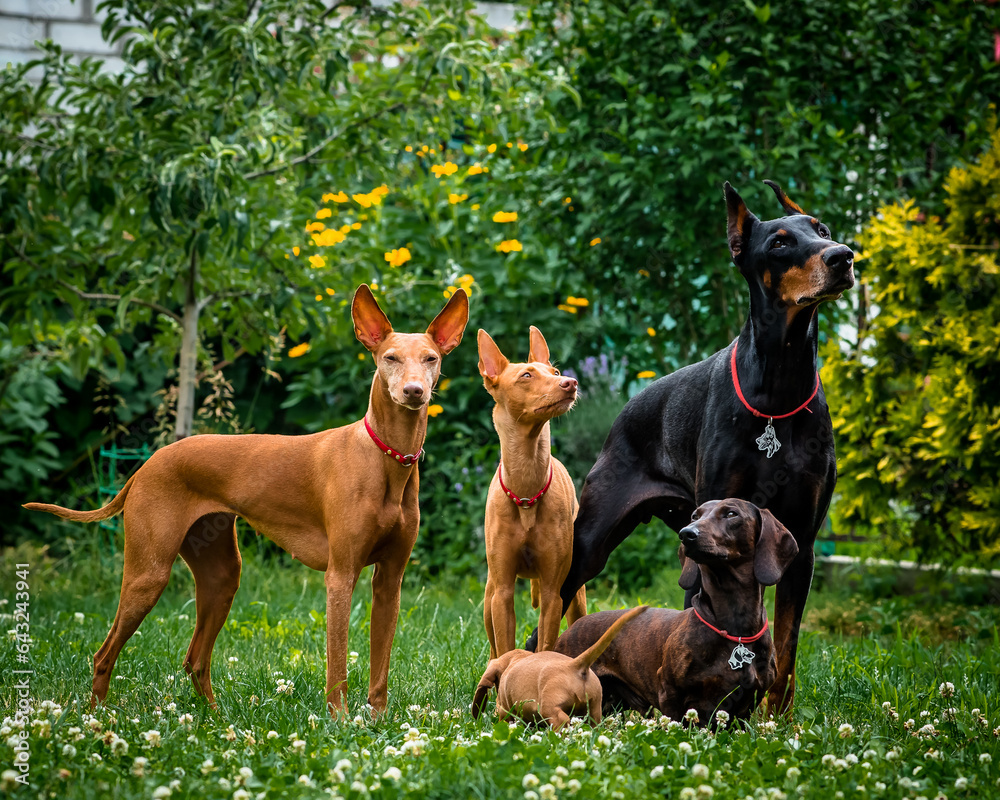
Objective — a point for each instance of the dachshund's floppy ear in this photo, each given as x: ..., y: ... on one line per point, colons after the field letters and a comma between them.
x: 776, y: 549
x: 490, y: 679
x: 690, y: 576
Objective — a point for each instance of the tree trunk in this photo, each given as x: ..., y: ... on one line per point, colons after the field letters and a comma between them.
x: 187, y: 377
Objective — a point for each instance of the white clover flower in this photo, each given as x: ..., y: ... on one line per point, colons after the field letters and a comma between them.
x: 704, y: 790
x: 892, y: 755
x: 359, y: 720
x: 687, y: 793
x: 879, y: 786
x: 547, y: 791
x: 793, y: 773
x: 578, y: 765
x: 242, y: 794
x: 985, y: 758
x: 530, y: 781
x: 185, y: 720
x: 207, y: 766
x: 691, y: 716
x: 870, y: 754
x: 769, y: 727
x: 139, y: 766
x: 828, y: 760
x: 840, y: 764
x: 8, y: 779
x: 722, y: 718
x: 845, y: 730
x: 153, y: 738
x: 925, y: 714
x: 851, y: 759
x: 344, y: 764
x: 305, y: 780
x: 272, y: 734
x: 225, y: 784
x: 160, y: 792
x: 299, y: 746
x: 603, y: 741
x: 946, y: 689
x: 229, y: 755
x: 949, y: 714
x: 352, y: 657
x: 69, y: 751
x: 961, y: 783
x: 95, y: 758
x: 531, y: 794
x: 245, y: 774
x: 685, y: 748
x: 573, y: 786
x: 656, y: 772
x: 699, y: 772
x: 119, y: 746
x: 359, y: 787
x: 390, y: 751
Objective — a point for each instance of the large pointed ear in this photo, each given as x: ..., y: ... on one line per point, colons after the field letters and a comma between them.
x: 448, y: 326
x: 690, y: 575
x: 788, y: 205
x: 776, y: 549
x: 739, y: 222
x: 539, y: 350
x: 491, y: 361
x: 371, y: 325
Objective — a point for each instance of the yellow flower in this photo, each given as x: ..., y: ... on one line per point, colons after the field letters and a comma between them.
x: 581, y: 302
x: 505, y: 216
x: 295, y: 250
x: 450, y: 291
x: 328, y: 238
x: 315, y: 226
x: 317, y: 261
x: 596, y: 241
x: 509, y: 246
x: 363, y: 200
x: 345, y: 229
x: 644, y: 273
x: 299, y: 350
x: 323, y: 213
x: 491, y: 149
x: 397, y: 258
x: 457, y: 198
x: 466, y: 280
x: 567, y: 200
x: 522, y: 146
x: 286, y: 255
x: 646, y: 373
x: 447, y: 168
x: 355, y: 226
x: 569, y: 309
x: 409, y: 148
x: 424, y: 149
x: 434, y: 410
x: 361, y: 356
x: 651, y: 331
x: 319, y: 297
x: 329, y: 197
x: 475, y: 169
x: 444, y: 385
x: 330, y: 291
x: 475, y: 206
x: 380, y: 191
x: 339, y: 197
x: 510, y: 144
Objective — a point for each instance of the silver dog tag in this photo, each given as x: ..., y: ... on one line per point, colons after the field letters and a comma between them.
x: 768, y: 441
x: 741, y: 655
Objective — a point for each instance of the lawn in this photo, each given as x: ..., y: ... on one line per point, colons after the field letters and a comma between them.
x: 898, y: 697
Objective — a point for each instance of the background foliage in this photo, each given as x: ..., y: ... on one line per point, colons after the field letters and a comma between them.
x: 607, y: 128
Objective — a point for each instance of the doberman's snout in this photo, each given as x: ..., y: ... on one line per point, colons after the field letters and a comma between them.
x: 839, y: 258
x: 413, y: 391
x: 568, y: 384
x: 689, y: 534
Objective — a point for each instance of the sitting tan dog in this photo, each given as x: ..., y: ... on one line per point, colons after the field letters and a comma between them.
x: 548, y: 687
x: 532, y: 500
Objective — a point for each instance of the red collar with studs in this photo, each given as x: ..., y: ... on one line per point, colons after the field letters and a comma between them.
x: 404, y: 460
x: 524, y: 502
x: 725, y: 634
x: 754, y: 411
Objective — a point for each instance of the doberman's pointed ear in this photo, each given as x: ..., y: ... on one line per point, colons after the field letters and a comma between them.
x: 776, y: 549
x: 448, y: 326
x: 740, y: 220
x: 690, y: 575
x: 371, y: 325
x: 491, y: 361
x: 788, y: 205
x: 539, y: 350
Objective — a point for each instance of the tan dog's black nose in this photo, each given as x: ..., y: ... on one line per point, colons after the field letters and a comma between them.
x: 413, y: 391
x: 568, y: 384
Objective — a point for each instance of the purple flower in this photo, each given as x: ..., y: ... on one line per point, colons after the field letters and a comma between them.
x: 458, y: 487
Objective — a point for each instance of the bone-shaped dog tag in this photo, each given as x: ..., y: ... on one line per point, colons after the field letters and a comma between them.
x: 768, y: 441
x: 741, y: 655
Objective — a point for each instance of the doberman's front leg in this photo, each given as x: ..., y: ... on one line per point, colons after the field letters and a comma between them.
x: 387, y: 581
x: 789, y: 603
x: 340, y: 584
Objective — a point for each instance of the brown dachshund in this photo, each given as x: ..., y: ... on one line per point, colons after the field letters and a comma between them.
x: 716, y: 655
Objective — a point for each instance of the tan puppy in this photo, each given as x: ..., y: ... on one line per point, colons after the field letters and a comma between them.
x: 532, y: 501
x: 548, y: 687
x: 338, y: 501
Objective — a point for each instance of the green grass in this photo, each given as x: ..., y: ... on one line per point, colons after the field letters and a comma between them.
x: 858, y: 653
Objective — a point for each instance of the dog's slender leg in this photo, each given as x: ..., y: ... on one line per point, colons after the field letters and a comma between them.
x: 340, y: 583
x: 386, y: 583
x: 789, y: 603
x: 213, y: 556
x: 556, y: 717
x: 488, y: 614
x: 578, y: 606
x: 550, y: 616
x: 503, y: 572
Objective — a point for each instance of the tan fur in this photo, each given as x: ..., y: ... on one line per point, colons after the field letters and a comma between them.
x: 546, y: 686
x: 535, y: 542
x: 334, y: 500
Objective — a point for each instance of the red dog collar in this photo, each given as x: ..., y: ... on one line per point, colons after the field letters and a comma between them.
x: 524, y: 501
x: 754, y: 411
x: 725, y: 634
x: 406, y: 461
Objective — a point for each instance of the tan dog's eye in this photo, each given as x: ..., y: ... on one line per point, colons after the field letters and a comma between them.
x: 431, y: 359
x: 557, y: 372
x: 392, y: 359
x: 526, y: 375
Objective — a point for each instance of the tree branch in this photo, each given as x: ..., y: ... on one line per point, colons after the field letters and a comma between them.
x: 100, y: 296
x: 211, y: 298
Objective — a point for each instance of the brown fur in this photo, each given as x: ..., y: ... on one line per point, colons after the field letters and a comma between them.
x: 333, y: 500
x: 533, y: 542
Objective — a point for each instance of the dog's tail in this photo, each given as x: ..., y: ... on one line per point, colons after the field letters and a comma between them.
x: 112, y: 508
x: 586, y: 659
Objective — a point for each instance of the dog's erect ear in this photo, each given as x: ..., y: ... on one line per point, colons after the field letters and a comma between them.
x: 448, y: 326
x: 491, y: 361
x: 690, y: 576
x: 788, y: 205
x: 775, y: 550
x: 740, y: 220
x: 539, y: 350
x: 371, y: 325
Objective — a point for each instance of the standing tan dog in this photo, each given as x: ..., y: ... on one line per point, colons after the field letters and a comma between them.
x: 532, y: 501
x: 718, y: 654
x: 338, y: 501
x: 548, y: 687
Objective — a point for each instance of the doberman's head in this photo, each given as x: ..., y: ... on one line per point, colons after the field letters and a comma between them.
x: 532, y: 392
x: 791, y: 261
x: 408, y: 364
x: 728, y: 534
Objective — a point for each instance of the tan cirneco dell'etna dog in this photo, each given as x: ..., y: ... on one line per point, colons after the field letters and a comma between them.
x: 548, y: 687
x: 716, y: 655
x: 532, y: 501
x: 337, y: 500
